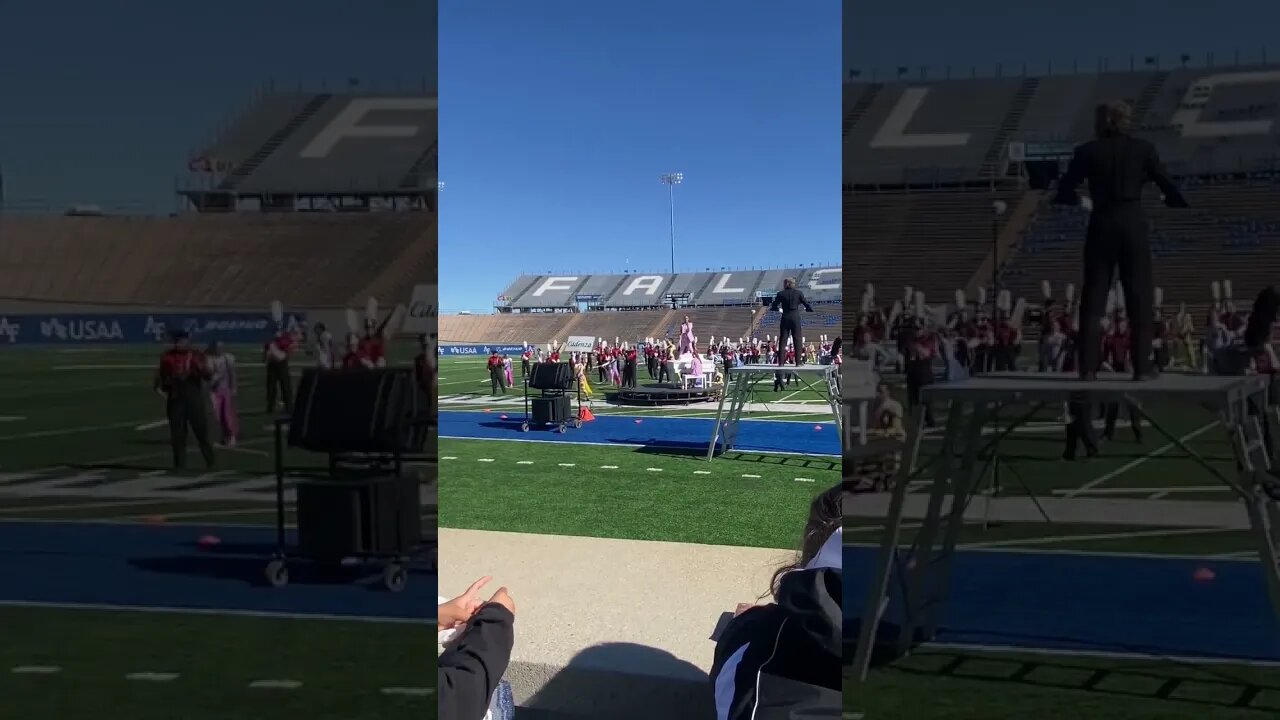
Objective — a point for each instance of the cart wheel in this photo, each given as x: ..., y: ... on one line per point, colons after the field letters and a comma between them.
x: 562, y: 428
x: 577, y: 423
x: 524, y: 427
x: 277, y: 573
x: 395, y: 577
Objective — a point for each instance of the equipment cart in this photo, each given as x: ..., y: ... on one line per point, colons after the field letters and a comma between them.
x: 364, y: 511
x: 555, y: 383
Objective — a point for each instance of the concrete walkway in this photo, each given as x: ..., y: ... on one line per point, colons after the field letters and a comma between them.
x: 592, y: 609
x: 1093, y: 511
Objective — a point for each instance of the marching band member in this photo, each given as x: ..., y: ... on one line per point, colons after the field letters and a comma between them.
x: 181, y: 380
x: 526, y: 359
x: 275, y: 355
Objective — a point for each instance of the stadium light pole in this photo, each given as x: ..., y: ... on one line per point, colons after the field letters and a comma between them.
x: 671, y: 180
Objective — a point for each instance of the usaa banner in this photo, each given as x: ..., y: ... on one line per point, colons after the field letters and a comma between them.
x: 234, y: 328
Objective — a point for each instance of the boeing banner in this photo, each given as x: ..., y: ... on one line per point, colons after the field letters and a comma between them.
x: 137, y: 328
x: 481, y: 350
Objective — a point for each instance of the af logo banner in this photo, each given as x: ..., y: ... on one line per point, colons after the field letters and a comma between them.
x: 9, y: 330
x: 423, y: 317
x: 232, y: 328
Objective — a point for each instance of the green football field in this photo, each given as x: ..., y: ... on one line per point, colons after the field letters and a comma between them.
x: 78, y: 427
x: 627, y: 492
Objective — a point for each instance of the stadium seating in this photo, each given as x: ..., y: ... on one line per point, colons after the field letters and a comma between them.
x: 734, y: 321
x: 1232, y: 231
x: 653, y: 290
x: 925, y: 160
x: 909, y: 133
x: 324, y: 143
x: 932, y: 241
x: 303, y: 260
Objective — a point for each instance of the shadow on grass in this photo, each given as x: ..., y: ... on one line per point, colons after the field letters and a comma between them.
x: 1193, y: 684
x: 699, y: 450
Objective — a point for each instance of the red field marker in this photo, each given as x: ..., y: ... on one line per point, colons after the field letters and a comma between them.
x: 209, y: 541
x: 1203, y: 574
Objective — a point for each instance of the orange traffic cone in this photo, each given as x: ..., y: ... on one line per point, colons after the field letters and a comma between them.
x: 584, y: 414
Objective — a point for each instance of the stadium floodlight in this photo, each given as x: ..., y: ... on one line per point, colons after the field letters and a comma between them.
x: 671, y: 180
x: 440, y: 186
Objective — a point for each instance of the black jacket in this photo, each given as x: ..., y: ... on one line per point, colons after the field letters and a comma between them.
x: 470, y: 669
x: 782, y: 661
x: 790, y: 300
x: 1117, y: 168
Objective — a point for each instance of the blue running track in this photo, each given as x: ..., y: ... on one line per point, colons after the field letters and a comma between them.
x: 1094, y: 603
x: 684, y: 434
x: 163, y: 566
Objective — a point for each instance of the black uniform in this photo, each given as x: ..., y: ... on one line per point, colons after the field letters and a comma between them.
x: 1117, y: 168
x: 782, y: 661
x: 182, y: 378
x: 790, y: 301
x: 1080, y: 430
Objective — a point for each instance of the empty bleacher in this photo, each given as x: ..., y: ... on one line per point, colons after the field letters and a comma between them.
x: 305, y: 143
x: 1231, y: 232
x: 931, y: 241
x: 303, y: 260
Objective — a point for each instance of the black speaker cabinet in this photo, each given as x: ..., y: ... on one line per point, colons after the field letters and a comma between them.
x: 359, y: 514
x: 357, y: 411
x: 552, y: 409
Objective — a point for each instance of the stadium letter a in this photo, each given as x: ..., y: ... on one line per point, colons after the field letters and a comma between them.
x: 347, y: 123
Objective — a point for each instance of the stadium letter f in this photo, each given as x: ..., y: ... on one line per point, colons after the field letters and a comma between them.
x: 347, y: 123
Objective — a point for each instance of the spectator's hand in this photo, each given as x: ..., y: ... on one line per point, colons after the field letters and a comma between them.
x: 503, y: 598
x: 742, y: 607
x: 459, y: 610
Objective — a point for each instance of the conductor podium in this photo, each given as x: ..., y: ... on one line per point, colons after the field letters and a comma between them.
x: 365, y: 507
x: 975, y: 403
x: 740, y: 387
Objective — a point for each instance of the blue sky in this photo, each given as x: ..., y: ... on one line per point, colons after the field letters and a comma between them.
x: 558, y: 116
x: 101, y: 103
x: 986, y: 33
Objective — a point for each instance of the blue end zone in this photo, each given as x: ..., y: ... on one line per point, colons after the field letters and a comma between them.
x: 163, y: 567
x: 1093, y: 603
x: 659, y: 432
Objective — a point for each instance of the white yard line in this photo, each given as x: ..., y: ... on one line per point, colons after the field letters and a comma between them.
x: 1181, y: 659
x: 1141, y: 490
x: 232, y: 613
x: 69, y: 431
x: 1135, y: 463
x: 86, y: 505
x: 265, y: 507
x: 1099, y: 536
x: 276, y: 684
x: 152, y: 676
x: 412, y: 691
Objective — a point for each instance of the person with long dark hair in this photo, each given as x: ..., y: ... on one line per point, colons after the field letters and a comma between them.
x: 1117, y: 166
x: 782, y: 661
